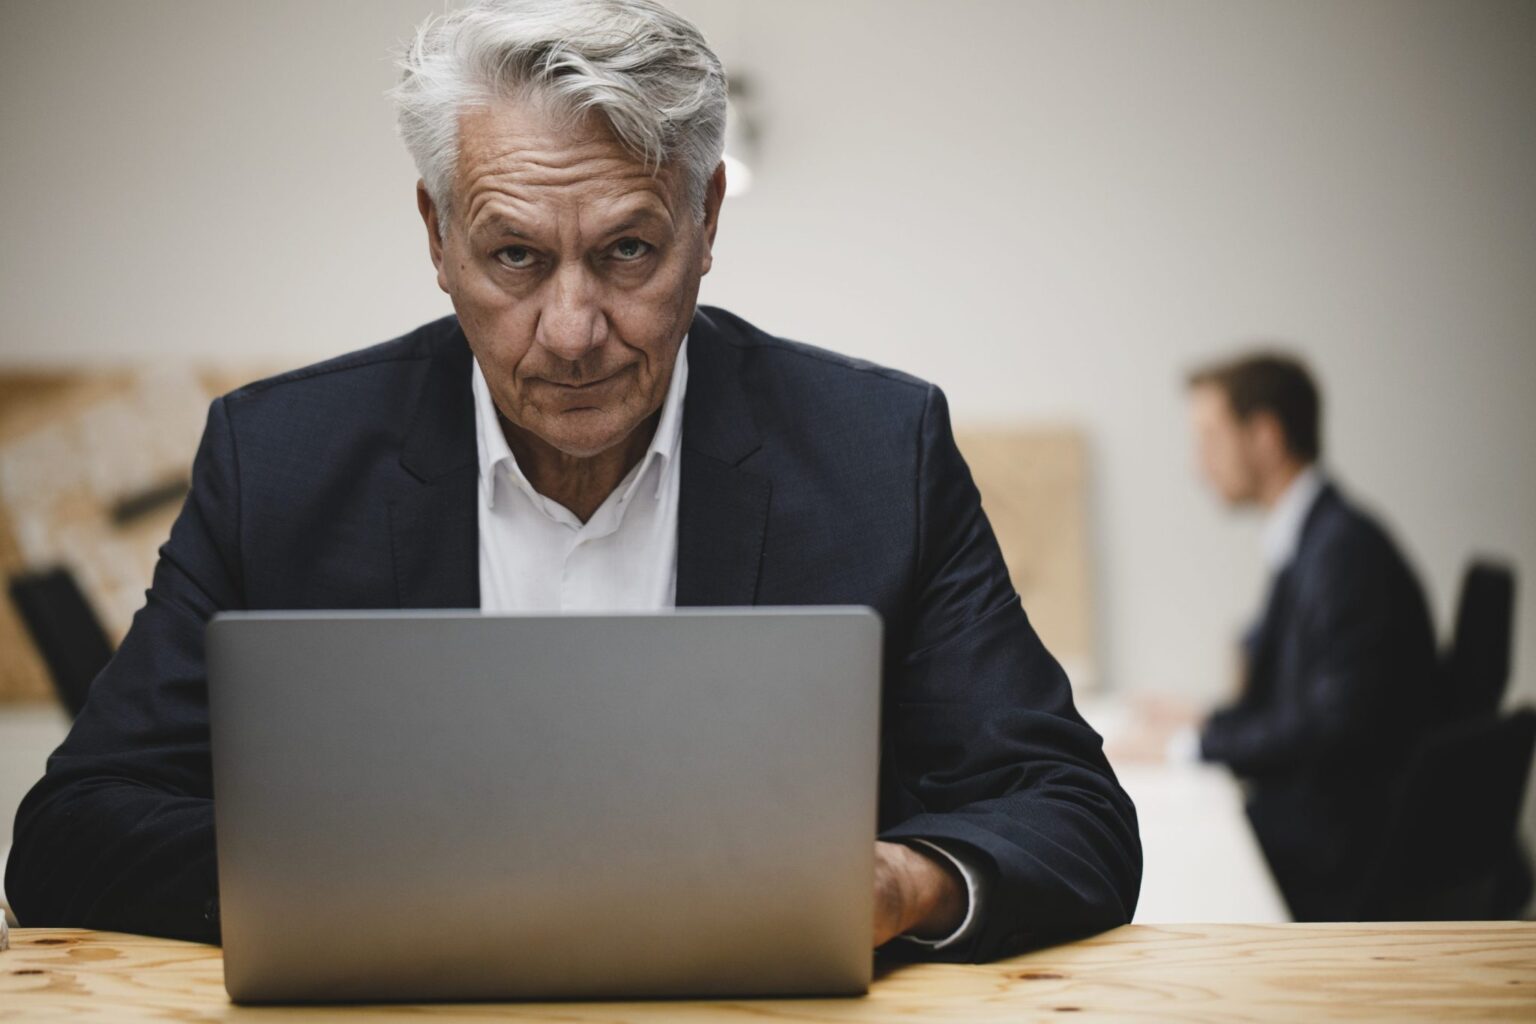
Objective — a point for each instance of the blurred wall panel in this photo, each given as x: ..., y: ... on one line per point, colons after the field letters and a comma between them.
x: 1034, y: 490
x: 93, y: 469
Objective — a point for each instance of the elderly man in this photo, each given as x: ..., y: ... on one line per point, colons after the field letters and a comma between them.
x: 582, y: 436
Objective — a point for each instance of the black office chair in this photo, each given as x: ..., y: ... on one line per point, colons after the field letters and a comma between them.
x: 1451, y: 852
x: 1475, y: 669
x: 65, y: 630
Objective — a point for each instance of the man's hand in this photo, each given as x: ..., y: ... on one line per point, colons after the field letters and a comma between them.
x: 1165, y: 711
x: 915, y: 893
x: 1155, y: 719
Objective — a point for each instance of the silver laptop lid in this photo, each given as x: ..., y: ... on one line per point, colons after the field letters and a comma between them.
x: 450, y: 805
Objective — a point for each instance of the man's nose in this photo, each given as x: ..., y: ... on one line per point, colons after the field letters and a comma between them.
x: 571, y: 321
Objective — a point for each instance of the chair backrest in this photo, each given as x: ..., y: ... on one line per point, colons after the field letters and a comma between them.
x: 1476, y: 667
x: 1450, y: 851
x: 65, y: 629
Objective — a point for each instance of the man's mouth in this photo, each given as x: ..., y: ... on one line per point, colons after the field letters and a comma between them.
x: 590, y: 385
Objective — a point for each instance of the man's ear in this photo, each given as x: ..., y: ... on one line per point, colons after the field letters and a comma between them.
x: 1268, y: 437
x: 429, y: 217
x: 714, y: 196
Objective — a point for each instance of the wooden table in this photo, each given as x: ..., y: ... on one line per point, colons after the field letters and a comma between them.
x: 1251, y: 972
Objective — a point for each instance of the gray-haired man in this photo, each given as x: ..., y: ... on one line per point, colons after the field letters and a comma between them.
x: 583, y: 436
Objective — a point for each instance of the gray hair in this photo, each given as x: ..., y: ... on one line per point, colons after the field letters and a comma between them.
x: 645, y: 70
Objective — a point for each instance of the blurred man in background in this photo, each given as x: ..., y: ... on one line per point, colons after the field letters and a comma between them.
x: 1337, y: 670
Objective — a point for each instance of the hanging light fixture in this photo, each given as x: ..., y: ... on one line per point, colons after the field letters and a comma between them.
x: 741, y: 135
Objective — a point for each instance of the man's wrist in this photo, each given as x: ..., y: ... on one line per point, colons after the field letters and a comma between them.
x: 937, y: 898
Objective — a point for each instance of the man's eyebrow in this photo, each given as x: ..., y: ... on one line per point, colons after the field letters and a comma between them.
x: 497, y: 228
x: 638, y: 218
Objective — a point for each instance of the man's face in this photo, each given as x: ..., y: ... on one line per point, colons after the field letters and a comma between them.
x: 1223, y: 445
x: 574, y: 272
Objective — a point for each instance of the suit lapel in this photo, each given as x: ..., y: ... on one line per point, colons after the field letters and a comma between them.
x: 722, y: 508
x: 1268, y: 634
x: 1263, y: 639
x: 434, y: 525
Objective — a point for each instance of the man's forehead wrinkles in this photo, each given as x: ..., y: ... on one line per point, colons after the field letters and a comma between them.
x: 491, y: 207
x: 495, y: 212
x: 566, y: 188
x: 592, y: 201
x: 519, y: 175
x: 549, y: 157
x: 551, y: 172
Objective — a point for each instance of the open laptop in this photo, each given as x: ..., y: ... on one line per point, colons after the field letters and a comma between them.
x: 450, y: 805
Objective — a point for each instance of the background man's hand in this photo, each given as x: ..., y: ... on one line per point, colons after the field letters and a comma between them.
x: 1154, y: 721
x: 915, y: 893
x: 1165, y: 710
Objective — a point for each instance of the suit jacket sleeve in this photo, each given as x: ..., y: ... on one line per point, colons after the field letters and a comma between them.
x: 1343, y: 684
x: 119, y: 833
x: 984, y: 736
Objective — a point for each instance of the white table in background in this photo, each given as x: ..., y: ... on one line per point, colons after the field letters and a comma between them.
x: 1201, y: 860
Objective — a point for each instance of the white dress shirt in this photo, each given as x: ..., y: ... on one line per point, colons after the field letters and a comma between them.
x: 536, y: 555
x: 1283, y: 524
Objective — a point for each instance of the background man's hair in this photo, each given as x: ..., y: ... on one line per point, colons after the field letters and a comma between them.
x: 1274, y: 383
x: 647, y: 72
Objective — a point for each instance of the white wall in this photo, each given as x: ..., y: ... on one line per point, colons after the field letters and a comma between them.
x: 1051, y: 209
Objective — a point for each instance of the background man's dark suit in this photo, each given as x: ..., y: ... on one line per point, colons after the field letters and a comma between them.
x: 1340, y: 675
x: 807, y: 478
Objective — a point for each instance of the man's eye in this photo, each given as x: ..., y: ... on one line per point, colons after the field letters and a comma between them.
x: 516, y: 256
x: 627, y: 249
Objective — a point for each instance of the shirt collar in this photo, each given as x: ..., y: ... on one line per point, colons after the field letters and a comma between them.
x: 493, y: 450
x: 1283, y: 525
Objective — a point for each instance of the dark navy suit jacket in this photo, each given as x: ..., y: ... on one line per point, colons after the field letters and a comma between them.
x: 807, y: 478
x: 1340, y: 675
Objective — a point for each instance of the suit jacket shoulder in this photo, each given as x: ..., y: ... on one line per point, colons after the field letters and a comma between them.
x: 354, y: 382
x: 420, y: 343
x: 321, y: 454
x: 734, y: 331
x: 791, y: 385
x: 1344, y: 551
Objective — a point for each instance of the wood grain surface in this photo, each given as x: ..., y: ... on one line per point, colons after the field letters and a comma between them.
x: 1279, y: 972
